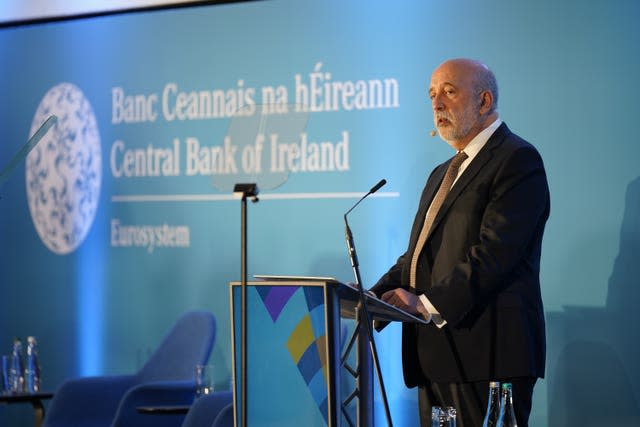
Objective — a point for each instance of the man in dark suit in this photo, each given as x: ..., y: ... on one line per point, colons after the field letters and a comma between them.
x: 473, y: 259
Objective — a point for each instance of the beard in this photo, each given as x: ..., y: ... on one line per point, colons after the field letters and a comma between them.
x: 457, y: 127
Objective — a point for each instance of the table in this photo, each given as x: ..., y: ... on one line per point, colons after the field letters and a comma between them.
x: 164, y: 409
x: 34, y: 398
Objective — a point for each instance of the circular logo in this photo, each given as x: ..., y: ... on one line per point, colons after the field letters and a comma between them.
x: 64, y: 170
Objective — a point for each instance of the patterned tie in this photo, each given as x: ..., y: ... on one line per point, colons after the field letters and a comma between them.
x: 445, y: 186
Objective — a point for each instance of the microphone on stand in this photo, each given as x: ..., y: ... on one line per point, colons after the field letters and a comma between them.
x: 363, y: 304
x: 353, y: 257
x: 26, y: 148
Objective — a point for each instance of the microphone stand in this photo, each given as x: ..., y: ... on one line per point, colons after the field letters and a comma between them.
x: 243, y: 191
x: 5, y: 173
x: 353, y: 257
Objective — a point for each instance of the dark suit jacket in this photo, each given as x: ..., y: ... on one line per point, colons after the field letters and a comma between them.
x: 480, y: 268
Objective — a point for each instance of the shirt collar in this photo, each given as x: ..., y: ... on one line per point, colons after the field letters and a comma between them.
x: 479, y: 141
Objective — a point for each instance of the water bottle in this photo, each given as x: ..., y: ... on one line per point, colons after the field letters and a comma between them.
x: 32, y: 369
x: 16, y: 371
x: 493, y: 405
x: 507, y: 417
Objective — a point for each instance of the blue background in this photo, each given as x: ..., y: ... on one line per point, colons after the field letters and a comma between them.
x: 568, y: 78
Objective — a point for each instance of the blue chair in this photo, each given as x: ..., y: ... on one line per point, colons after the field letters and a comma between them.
x: 166, y: 379
x: 225, y: 417
x: 205, y: 409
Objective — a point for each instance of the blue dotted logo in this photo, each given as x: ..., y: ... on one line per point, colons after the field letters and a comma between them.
x: 64, y: 171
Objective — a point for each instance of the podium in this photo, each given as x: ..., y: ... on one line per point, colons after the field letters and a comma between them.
x: 299, y: 355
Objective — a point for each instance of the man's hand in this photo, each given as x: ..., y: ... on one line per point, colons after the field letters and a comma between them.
x: 404, y: 300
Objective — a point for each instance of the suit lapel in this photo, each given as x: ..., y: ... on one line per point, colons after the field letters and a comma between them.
x: 470, y: 173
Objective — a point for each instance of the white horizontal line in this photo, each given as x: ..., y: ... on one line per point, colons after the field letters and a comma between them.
x: 285, y: 196
x: 141, y: 198
x: 172, y: 198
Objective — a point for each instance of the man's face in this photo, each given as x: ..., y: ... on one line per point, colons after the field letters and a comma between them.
x: 456, y: 106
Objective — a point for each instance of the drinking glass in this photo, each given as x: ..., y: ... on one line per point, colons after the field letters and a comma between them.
x: 204, y: 380
x: 451, y: 416
x: 443, y: 417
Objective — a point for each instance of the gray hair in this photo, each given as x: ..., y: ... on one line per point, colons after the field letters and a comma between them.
x: 486, y: 80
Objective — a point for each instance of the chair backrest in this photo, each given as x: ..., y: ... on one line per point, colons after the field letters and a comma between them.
x: 225, y: 417
x: 187, y: 344
x: 205, y: 409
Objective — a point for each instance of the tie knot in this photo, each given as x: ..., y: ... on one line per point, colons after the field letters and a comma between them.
x: 457, y: 160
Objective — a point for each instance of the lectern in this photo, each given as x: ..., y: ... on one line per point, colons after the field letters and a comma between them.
x: 298, y: 354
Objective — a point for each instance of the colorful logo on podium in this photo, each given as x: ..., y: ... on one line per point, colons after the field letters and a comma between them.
x: 307, y: 342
